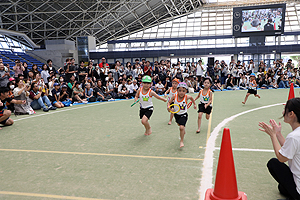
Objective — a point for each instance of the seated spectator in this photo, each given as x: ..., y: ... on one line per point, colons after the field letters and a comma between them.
x: 281, y: 82
x: 168, y: 83
x: 217, y: 83
x: 121, y: 94
x: 78, y: 95
x: 71, y: 85
x: 261, y: 82
x: 10, y: 106
x: 18, y: 68
x: 39, y: 98
x: 88, y: 93
x: 133, y: 87
x: 159, y: 88
x: 5, y: 114
x: 124, y: 91
x: 229, y: 83
x: 272, y: 83
x: 243, y: 82
x: 21, y: 93
x: 64, y: 97
x: 99, y: 92
x: 110, y: 88
x: 56, y: 96
x: 4, y: 76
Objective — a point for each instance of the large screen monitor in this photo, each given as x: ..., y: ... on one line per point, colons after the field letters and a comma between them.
x: 259, y: 20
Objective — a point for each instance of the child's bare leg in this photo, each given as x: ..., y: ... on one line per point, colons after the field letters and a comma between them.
x: 182, y: 133
x: 257, y: 96
x: 199, y: 122
x: 246, y: 97
x: 207, y: 116
x: 147, y: 126
x: 171, y: 117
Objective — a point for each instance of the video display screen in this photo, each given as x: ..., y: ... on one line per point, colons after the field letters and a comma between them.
x: 259, y: 20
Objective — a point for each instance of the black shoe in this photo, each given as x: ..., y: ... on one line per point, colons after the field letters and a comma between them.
x: 52, y: 108
x: 45, y: 109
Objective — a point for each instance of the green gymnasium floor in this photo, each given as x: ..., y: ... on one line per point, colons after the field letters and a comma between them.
x: 99, y: 151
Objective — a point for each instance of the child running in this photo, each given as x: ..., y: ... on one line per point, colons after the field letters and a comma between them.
x: 181, y: 100
x: 145, y: 94
x: 252, y: 88
x: 172, y: 91
x: 204, y: 106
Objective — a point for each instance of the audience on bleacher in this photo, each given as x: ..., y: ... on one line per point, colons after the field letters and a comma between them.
x: 41, y: 86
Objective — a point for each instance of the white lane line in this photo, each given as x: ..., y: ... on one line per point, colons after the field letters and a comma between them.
x: 250, y: 150
x: 207, y: 169
x: 65, y: 109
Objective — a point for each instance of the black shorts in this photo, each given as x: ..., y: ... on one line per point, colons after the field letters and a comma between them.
x: 251, y: 91
x: 181, y: 119
x: 146, y: 111
x: 201, y: 108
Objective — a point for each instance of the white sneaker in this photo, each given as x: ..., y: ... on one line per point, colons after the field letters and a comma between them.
x: 85, y: 102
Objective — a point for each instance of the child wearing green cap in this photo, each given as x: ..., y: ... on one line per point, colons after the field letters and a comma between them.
x: 252, y: 88
x: 145, y: 94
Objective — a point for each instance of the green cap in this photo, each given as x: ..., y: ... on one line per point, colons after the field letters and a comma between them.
x: 146, y: 79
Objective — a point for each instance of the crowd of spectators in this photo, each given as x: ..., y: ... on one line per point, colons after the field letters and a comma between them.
x: 49, y: 88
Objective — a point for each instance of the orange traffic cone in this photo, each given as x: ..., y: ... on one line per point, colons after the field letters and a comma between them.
x: 291, y: 93
x: 225, y: 184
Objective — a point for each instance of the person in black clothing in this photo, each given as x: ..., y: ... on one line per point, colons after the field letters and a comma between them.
x: 50, y: 67
x: 99, y: 92
x: 69, y: 70
x: 5, y: 114
x: 269, y: 26
x: 82, y: 71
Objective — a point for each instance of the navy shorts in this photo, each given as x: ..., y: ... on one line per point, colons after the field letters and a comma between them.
x: 146, y: 111
x: 251, y: 91
x: 181, y: 119
x: 201, y: 108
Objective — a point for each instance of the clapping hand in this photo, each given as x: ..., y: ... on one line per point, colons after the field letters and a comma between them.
x: 1, y: 104
x: 271, y: 129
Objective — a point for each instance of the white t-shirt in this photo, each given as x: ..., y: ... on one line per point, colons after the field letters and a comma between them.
x: 199, y: 70
x: 291, y: 150
x: 159, y: 86
x: 131, y: 87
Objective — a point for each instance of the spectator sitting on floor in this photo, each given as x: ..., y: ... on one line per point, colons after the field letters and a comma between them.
x: 159, y: 88
x: 133, y: 87
x: 10, y: 106
x: 99, y: 92
x: 56, y: 96
x: 88, y: 93
x: 21, y: 93
x: 65, y: 96
x: 124, y: 91
x: 122, y: 95
x: 39, y: 98
x: 5, y: 114
x: 78, y: 95
x: 217, y: 83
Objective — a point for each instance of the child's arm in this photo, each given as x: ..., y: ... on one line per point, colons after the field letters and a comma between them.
x: 210, y: 99
x: 169, y: 102
x: 168, y: 90
x: 197, y: 97
x: 156, y: 96
x: 254, y: 82
x: 193, y: 101
x: 137, y: 95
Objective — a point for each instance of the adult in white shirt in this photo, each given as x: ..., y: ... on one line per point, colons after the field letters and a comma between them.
x: 200, y: 69
x: 133, y: 87
x: 286, y: 149
x: 251, y: 66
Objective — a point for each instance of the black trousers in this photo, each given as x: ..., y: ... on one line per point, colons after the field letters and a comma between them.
x: 283, y: 175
